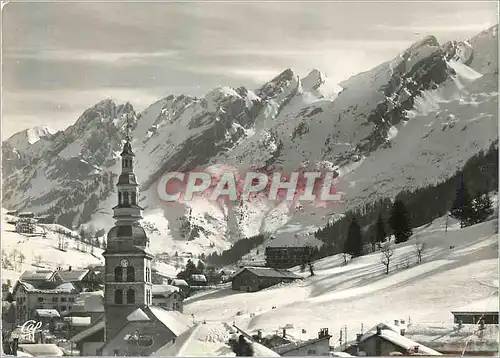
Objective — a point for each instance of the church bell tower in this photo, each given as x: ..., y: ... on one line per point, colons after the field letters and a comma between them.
x: 127, y: 256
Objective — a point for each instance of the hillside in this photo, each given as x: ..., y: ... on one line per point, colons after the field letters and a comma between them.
x: 408, y: 122
x: 40, y: 252
x: 459, y: 267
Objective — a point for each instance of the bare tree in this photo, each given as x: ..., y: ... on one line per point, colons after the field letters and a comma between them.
x: 346, y: 258
x: 419, y: 249
x: 387, y: 253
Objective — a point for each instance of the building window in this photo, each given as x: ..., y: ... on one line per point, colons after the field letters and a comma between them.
x: 119, y: 198
x: 134, y: 198
x: 118, y: 297
x: 147, y: 297
x: 311, y: 351
x: 54, y: 299
x: 40, y: 299
x: 63, y: 308
x: 116, y: 352
x: 125, y: 163
x: 71, y: 299
x: 118, y: 274
x: 125, y: 198
x: 148, y: 274
x: 63, y: 299
x: 130, y: 274
x: 130, y: 296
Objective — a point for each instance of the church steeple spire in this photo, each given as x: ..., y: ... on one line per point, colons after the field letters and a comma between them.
x: 127, y: 257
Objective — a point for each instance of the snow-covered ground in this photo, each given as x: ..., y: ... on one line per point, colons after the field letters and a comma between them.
x: 41, y: 252
x: 458, y: 268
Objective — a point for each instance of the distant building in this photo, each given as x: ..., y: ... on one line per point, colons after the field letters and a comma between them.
x: 25, y: 224
x: 252, y: 279
x: 287, y: 257
x: 319, y: 346
x: 168, y: 297
x: 182, y: 284
x: 89, y: 304
x: 480, y: 312
x: 197, y: 280
x: 85, y: 280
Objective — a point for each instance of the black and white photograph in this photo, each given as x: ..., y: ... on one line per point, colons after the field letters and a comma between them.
x: 249, y: 178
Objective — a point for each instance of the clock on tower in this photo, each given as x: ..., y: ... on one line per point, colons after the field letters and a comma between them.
x: 124, y: 262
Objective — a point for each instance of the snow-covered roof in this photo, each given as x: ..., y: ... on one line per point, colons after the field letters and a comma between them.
x: 89, y: 331
x: 164, y: 290
x: 179, y: 282
x: 78, y: 321
x: 487, y: 305
x: 73, y: 275
x: 138, y: 315
x: 42, y: 349
x: 406, y: 343
x: 173, y: 320
x: 38, y: 275
x: 66, y: 287
x: 199, y: 278
x: 268, y: 272
x: 47, y: 313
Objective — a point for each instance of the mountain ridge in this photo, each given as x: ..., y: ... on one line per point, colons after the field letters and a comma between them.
x: 285, y: 124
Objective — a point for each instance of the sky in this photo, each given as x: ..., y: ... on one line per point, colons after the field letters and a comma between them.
x: 61, y: 58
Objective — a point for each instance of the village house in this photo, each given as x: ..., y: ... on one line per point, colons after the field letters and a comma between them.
x: 85, y: 280
x: 386, y: 342
x: 168, y: 297
x: 319, y: 346
x: 287, y: 256
x: 42, y: 289
x: 182, y: 284
x: 252, y: 279
x: 479, y: 312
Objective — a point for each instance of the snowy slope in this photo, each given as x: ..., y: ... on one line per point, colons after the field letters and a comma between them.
x: 403, y: 124
x: 341, y: 295
x: 41, y: 252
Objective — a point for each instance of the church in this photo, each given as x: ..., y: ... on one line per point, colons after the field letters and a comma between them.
x: 131, y: 324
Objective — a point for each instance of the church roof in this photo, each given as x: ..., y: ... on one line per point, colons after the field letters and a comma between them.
x: 138, y: 315
x: 173, y: 320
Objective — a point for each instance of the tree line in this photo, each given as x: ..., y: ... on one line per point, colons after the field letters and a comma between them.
x: 463, y: 196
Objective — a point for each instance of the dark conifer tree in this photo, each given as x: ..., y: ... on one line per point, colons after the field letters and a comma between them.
x: 462, y: 208
x: 482, y: 208
x: 354, y: 243
x: 380, y: 233
x: 400, y: 222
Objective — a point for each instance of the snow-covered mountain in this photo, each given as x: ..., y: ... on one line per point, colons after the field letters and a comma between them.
x: 405, y: 123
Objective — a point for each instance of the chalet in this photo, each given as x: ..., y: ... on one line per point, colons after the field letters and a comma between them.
x: 287, y: 256
x: 479, y: 312
x: 197, y: 280
x: 182, y: 284
x: 48, y: 317
x: 386, y: 342
x: 85, y: 280
x: 168, y: 297
x: 319, y: 346
x: 252, y: 279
